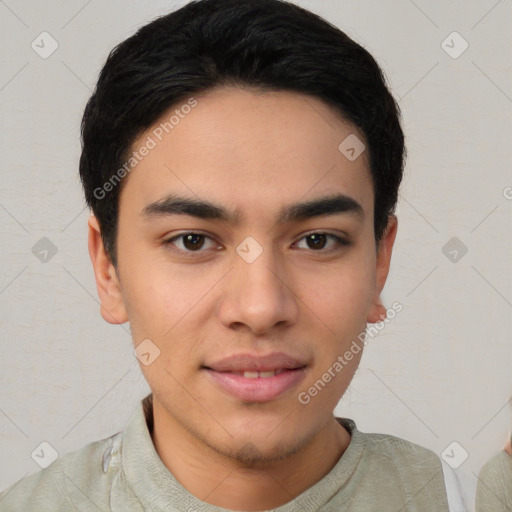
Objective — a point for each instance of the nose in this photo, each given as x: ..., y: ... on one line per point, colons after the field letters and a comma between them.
x: 259, y: 295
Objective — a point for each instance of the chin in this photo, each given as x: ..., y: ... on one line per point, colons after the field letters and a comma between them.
x: 259, y: 453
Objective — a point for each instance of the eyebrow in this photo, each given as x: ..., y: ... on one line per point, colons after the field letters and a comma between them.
x: 173, y: 204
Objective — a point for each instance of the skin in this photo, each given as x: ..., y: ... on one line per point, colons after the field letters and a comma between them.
x: 508, y: 446
x: 253, y: 151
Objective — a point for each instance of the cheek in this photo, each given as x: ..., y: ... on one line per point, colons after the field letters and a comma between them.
x: 164, y: 300
x: 342, y: 296
x: 157, y: 302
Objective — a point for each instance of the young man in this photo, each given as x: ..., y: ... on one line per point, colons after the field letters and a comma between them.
x: 242, y: 160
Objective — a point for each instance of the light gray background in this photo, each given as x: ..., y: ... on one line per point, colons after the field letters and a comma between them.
x: 439, y: 372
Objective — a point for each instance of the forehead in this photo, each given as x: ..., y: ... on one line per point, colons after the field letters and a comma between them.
x: 250, y: 150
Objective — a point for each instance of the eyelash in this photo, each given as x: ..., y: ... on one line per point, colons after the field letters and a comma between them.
x: 341, y: 242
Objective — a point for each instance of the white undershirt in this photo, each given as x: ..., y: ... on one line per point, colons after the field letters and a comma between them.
x: 460, y: 489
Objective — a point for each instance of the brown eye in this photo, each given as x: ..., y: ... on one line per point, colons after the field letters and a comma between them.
x: 193, y: 241
x: 318, y: 241
x: 190, y: 242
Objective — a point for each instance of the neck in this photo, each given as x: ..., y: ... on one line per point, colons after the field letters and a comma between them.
x: 225, y: 482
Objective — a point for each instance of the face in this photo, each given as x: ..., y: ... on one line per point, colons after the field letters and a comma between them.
x: 247, y: 283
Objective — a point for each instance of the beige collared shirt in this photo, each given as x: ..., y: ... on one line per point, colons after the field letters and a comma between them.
x: 494, y: 486
x: 124, y: 473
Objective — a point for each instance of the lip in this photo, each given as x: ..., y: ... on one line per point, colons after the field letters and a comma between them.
x: 260, y: 389
x: 256, y: 362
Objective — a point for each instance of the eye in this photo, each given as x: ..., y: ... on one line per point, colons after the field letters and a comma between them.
x: 318, y: 241
x: 193, y: 242
x: 190, y: 242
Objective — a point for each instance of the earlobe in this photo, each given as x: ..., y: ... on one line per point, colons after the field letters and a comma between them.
x: 378, y: 311
x: 107, y: 283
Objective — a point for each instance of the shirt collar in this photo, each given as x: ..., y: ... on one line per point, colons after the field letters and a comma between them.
x: 158, y: 490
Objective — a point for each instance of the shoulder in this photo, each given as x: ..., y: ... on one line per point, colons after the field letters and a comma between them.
x: 392, y: 451
x: 406, y: 475
x: 407, y: 460
x: 494, y: 488
x: 394, y: 466
x: 80, y: 477
x: 391, y: 445
x: 499, y: 465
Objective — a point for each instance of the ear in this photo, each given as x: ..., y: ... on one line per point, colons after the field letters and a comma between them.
x: 508, y: 446
x: 107, y: 283
x: 384, y: 248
